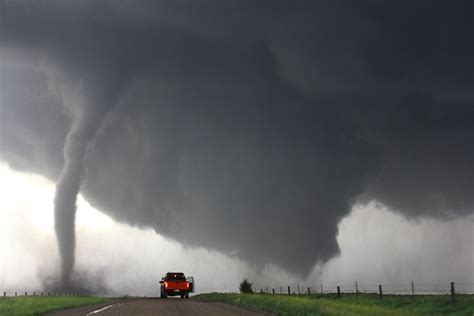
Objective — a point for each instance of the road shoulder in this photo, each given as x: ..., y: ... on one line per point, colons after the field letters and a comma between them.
x: 84, y: 310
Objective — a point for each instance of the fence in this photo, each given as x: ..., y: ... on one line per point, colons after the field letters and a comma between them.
x: 16, y: 294
x: 411, y: 288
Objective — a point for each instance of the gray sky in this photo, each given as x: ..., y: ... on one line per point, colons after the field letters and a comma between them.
x: 243, y: 128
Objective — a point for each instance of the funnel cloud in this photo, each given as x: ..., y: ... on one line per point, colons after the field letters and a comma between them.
x: 84, y: 125
x: 248, y: 128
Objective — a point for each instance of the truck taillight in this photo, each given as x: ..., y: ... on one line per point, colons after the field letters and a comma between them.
x: 187, y: 285
x: 166, y: 284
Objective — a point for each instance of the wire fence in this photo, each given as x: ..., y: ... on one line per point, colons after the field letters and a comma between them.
x: 34, y: 293
x: 411, y: 288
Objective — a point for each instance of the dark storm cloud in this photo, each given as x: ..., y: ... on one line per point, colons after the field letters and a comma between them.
x: 246, y: 127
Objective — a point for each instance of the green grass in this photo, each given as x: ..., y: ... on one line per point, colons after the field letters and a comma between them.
x: 38, y: 305
x: 348, y: 305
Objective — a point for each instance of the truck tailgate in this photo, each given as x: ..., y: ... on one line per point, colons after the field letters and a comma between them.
x: 176, y: 285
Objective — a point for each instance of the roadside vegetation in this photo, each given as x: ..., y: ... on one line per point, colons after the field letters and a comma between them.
x: 39, y: 305
x: 245, y: 287
x: 349, y: 304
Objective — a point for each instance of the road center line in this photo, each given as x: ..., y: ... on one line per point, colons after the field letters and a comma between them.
x: 103, y: 309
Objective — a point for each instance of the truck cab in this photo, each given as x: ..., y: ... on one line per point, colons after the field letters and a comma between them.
x: 176, y: 283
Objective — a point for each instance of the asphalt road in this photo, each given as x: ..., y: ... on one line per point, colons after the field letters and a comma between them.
x: 156, y: 306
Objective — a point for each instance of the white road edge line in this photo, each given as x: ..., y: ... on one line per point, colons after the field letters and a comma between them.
x: 103, y: 309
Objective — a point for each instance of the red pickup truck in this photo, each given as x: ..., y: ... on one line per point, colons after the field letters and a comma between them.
x: 175, y: 283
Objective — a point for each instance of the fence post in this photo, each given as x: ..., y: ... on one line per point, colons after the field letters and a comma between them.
x: 357, y: 288
x: 273, y: 291
x: 281, y: 290
x: 412, y: 290
x: 452, y: 292
x: 380, y: 291
x: 322, y: 288
x: 298, y: 289
x: 309, y: 291
x: 4, y: 294
x: 41, y: 293
x: 26, y: 294
x: 15, y: 294
x: 289, y: 290
x: 338, y: 291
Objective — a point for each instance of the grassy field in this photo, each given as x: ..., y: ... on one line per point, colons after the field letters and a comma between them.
x: 363, y: 304
x: 38, y: 305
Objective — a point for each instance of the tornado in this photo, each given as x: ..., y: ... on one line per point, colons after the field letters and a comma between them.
x: 65, y: 199
x: 88, y: 105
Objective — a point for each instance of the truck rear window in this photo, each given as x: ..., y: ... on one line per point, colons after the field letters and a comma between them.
x: 175, y: 277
